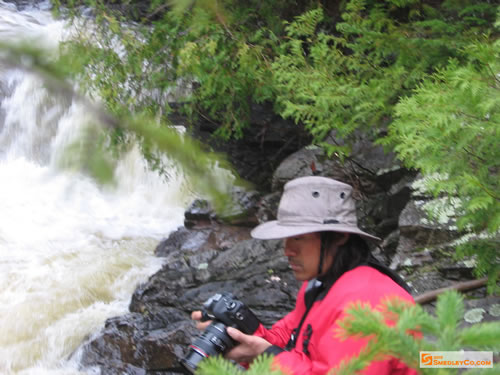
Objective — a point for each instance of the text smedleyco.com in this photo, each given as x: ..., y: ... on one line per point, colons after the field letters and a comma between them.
x: 456, y: 359
x: 461, y: 363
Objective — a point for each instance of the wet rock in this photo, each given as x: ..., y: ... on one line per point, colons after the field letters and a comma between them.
x: 240, y: 210
x: 244, y: 270
x: 195, y: 241
x: 199, y: 211
x: 182, y: 239
x: 137, y: 342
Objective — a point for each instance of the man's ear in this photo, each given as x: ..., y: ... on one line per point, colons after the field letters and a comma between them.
x: 342, y: 239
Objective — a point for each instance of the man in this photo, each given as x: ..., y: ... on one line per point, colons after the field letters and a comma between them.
x: 326, y: 250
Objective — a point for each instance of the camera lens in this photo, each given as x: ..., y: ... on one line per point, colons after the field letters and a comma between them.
x: 213, y: 341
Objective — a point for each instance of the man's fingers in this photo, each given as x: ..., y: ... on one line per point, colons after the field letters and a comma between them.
x: 203, y: 325
x: 236, y: 335
x: 248, y: 348
x: 196, y: 315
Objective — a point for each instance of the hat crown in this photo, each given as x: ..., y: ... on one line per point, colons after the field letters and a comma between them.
x: 313, y: 204
x: 317, y: 200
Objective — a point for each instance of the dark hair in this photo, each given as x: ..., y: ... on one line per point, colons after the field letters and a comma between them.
x: 355, y: 252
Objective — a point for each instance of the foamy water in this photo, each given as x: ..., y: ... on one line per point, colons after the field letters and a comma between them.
x: 71, y: 251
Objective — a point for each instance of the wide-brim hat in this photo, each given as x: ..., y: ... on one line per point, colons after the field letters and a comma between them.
x: 313, y: 204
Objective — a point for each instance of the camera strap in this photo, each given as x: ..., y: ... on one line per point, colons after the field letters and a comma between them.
x: 313, y: 290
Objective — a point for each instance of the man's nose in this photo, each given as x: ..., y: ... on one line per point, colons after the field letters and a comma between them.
x: 289, y: 251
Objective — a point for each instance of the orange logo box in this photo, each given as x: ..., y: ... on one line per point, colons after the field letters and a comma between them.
x: 426, y: 359
x: 456, y: 359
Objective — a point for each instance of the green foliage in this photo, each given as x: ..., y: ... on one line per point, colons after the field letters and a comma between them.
x: 219, y: 366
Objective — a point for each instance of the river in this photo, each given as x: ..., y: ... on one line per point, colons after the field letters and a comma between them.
x: 71, y: 251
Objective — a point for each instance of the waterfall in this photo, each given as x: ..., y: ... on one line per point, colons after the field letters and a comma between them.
x: 71, y: 251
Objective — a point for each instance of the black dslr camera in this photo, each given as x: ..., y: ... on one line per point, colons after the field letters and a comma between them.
x: 225, y: 311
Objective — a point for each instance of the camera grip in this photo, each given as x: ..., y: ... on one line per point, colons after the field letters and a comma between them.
x: 246, y: 320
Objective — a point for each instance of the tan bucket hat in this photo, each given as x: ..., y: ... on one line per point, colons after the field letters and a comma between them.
x: 313, y: 204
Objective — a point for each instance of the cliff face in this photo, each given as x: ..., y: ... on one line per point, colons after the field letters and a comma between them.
x: 207, y: 256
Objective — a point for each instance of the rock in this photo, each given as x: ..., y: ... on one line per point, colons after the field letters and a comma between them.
x: 137, y: 342
x: 199, y: 211
x: 369, y: 169
x: 494, y: 310
x: 250, y: 262
x: 240, y: 210
x: 418, y: 233
x: 479, y: 307
x: 183, y: 239
x: 268, y: 207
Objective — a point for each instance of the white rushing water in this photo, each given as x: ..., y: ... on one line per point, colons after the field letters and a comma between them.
x: 71, y: 251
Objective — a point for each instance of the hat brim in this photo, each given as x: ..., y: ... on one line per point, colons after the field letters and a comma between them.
x: 273, y: 230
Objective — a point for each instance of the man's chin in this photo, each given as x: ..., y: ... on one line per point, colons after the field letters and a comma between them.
x: 300, y: 276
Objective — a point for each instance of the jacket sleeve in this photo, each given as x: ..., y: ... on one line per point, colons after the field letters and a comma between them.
x: 280, y: 332
x: 328, y: 353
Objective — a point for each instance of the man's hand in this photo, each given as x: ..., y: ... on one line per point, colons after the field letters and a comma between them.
x: 196, y: 315
x: 248, y: 348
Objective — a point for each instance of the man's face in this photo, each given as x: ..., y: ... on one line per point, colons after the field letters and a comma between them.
x: 303, y: 255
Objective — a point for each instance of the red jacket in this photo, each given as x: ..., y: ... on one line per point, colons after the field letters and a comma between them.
x: 325, y: 351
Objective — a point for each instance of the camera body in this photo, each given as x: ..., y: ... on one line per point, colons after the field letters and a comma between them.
x: 225, y: 308
x: 225, y: 311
